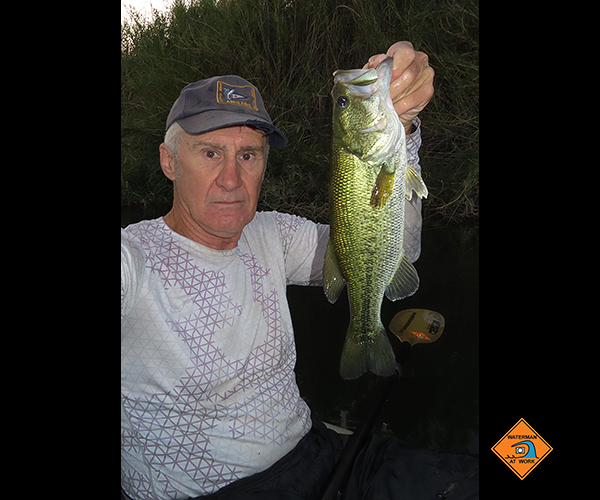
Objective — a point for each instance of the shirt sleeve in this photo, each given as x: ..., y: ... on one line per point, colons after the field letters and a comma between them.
x: 304, y: 244
x: 413, y: 221
x: 132, y: 270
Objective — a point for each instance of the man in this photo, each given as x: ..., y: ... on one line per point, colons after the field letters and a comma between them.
x: 209, y: 401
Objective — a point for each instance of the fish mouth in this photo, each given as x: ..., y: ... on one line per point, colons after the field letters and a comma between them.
x: 363, y: 83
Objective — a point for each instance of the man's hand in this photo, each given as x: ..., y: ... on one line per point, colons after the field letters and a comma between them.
x: 412, y: 80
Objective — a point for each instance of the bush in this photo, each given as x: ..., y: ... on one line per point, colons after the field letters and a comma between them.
x: 289, y: 50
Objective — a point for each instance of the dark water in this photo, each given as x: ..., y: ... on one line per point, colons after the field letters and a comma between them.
x: 435, y: 404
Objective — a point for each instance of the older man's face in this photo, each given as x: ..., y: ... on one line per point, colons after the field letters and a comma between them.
x: 216, y: 184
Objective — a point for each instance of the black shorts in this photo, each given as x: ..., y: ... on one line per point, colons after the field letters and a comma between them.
x: 385, y: 469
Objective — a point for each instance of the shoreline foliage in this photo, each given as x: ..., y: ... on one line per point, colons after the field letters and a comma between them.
x: 289, y: 50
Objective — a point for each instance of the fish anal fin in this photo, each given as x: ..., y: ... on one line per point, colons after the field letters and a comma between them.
x: 384, y: 186
x: 333, y: 282
x: 405, y: 281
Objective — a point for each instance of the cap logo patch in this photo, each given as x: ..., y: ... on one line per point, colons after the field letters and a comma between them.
x: 238, y: 95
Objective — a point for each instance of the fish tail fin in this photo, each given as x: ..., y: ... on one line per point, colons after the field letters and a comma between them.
x: 374, y: 354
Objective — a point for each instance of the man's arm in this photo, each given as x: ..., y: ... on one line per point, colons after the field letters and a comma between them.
x: 411, y: 90
x: 132, y: 270
x: 413, y: 221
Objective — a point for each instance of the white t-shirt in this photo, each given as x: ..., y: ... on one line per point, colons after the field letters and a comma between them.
x: 207, y: 354
x: 208, y: 390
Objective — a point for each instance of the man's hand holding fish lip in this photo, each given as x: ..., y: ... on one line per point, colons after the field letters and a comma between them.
x: 411, y: 88
x: 209, y: 395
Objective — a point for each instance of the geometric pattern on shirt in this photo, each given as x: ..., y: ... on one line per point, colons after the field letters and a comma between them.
x: 267, y: 361
x: 177, y: 436
x: 172, y: 429
x: 288, y: 224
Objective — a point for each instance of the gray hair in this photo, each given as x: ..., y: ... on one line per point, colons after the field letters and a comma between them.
x: 173, y: 138
x: 173, y: 141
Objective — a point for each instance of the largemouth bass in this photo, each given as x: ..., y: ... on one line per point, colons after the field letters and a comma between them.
x: 370, y: 180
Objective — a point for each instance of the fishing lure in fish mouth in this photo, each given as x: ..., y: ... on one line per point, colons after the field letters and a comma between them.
x: 370, y: 180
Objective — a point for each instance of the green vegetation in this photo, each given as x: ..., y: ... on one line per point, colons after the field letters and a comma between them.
x: 289, y: 50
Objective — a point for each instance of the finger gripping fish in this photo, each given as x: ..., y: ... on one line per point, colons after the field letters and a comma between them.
x: 370, y: 181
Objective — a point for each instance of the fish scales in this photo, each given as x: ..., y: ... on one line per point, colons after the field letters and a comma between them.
x: 367, y: 193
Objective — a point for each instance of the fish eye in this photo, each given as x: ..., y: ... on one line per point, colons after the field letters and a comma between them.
x: 342, y: 102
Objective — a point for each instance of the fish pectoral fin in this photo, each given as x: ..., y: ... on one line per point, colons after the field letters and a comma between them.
x: 333, y: 282
x: 415, y: 183
x: 384, y: 186
x: 405, y: 281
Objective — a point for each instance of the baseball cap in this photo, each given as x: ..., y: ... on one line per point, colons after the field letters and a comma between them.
x: 223, y: 101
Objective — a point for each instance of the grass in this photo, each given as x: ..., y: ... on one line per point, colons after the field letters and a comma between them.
x: 289, y: 49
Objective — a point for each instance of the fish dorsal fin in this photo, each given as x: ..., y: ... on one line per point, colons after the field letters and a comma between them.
x: 333, y: 282
x: 415, y: 183
x: 405, y: 281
